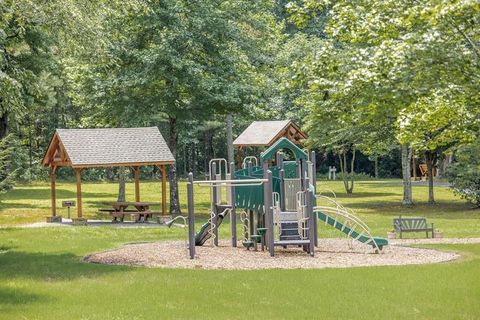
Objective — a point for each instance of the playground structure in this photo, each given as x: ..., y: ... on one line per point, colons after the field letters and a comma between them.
x: 277, y: 201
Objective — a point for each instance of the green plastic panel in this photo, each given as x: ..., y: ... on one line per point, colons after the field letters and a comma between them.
x: 283, y: 143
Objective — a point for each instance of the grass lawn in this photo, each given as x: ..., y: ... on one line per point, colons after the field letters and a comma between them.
x: 43, y: 277
x: 377, y: 202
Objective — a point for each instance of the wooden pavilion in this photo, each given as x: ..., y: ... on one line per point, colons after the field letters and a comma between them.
x: 109, y: 147
x: 266, y: 133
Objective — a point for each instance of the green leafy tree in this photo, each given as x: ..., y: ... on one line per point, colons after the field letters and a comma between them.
x: 464, y: 174
x: 382, y: 57
x: 177, y: 60
x: 7, y: 176
x: 434, y: 124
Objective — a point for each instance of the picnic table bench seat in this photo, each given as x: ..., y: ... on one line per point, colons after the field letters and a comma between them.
x: 402, y: 225
x: 140, y: 214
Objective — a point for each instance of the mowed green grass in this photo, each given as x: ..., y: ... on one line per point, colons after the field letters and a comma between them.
x: 43, y: 277
x: 376, y: 202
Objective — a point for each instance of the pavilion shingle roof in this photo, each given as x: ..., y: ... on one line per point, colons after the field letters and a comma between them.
x: 263, y: 133
x: 114, y: 146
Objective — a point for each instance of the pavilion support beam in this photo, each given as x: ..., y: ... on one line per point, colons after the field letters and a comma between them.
x: 53, y: 191
x: 79, y: 194
x: 136, y: 173
x: 53, y: 178
x: 163, y: 169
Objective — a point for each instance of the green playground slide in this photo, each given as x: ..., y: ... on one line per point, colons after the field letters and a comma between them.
x: 380, y: 242
x: 203, y: 235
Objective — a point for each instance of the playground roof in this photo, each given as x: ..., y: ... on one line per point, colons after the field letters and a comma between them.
x: 283, y: 143
x: 265, y: 133
x: 85, y: 148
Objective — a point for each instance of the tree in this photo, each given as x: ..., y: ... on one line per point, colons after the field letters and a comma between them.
x: 388, y: 56
x: 176, y: 59
x: 464, y: 174
x: 437, y: 123
x: 7, y: 177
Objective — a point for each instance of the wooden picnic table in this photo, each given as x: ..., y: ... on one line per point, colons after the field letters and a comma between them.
x: 141, y: 212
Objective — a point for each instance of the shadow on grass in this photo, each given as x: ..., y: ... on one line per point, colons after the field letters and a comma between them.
x: 44, y: 194
x: 50, y: 267
x: 363, y: 194
x: 443, y: 210
x: 17, y: 205
x: 12, y: 298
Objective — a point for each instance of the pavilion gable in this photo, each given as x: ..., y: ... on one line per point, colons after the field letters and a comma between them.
x: 266, y: 133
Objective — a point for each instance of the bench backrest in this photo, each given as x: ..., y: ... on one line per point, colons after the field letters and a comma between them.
x: 410, y: 223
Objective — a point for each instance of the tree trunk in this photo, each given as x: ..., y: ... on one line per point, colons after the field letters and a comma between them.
x: 172, y: 173
x: 193, y: 151
x: 352, y: 172
x: 121, y: 184
x: 442, y: 168
x: 3, y: 125
x: 407, y: 181
x: 430, y: 158
x: 205, y: 153
x: 376, y: 167
x: 230, y: 139
x: 347, y: 177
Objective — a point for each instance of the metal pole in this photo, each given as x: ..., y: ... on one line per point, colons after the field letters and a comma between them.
x: 251, y: 217
x: 265, y: 208
x: 311, y: 228
x: 279, y: 160
x: 314, y: 171
x: 191, y: 216
x: 233, y: 213
x: 213, y: 176
x: 270, y: 212
x: 282, y: 189
x: 313, y: 158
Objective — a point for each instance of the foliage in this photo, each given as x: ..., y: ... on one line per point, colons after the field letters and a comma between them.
x: 7, y: 176
x: 464, y: 174
x: 347, y: 72
x: 437, y: 122
x: 379, y: 61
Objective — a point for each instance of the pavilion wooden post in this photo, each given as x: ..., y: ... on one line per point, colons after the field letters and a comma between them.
x: 53, y: 176
x: 164, y: 189
x: 79, y: 192
x: 136, y: 171
x: 53, y: 191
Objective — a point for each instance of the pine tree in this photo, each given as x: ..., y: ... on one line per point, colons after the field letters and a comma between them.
x: 7, y: 177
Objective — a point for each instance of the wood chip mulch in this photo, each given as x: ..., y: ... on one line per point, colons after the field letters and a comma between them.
x: 331, y: 253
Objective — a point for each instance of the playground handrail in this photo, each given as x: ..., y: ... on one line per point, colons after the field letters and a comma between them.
x: 248, y: 158
x: 349, y: 217
x: 230, y: 182
x: 340, y: 206
x: 301, y: 217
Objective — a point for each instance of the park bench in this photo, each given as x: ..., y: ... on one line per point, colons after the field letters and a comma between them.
x: 412, y: 225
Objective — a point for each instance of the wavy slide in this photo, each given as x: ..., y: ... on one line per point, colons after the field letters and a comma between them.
x: 375, y: 242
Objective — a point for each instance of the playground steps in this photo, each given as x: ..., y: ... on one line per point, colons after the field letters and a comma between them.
x: 298, y: 242
x: 289, y: 230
